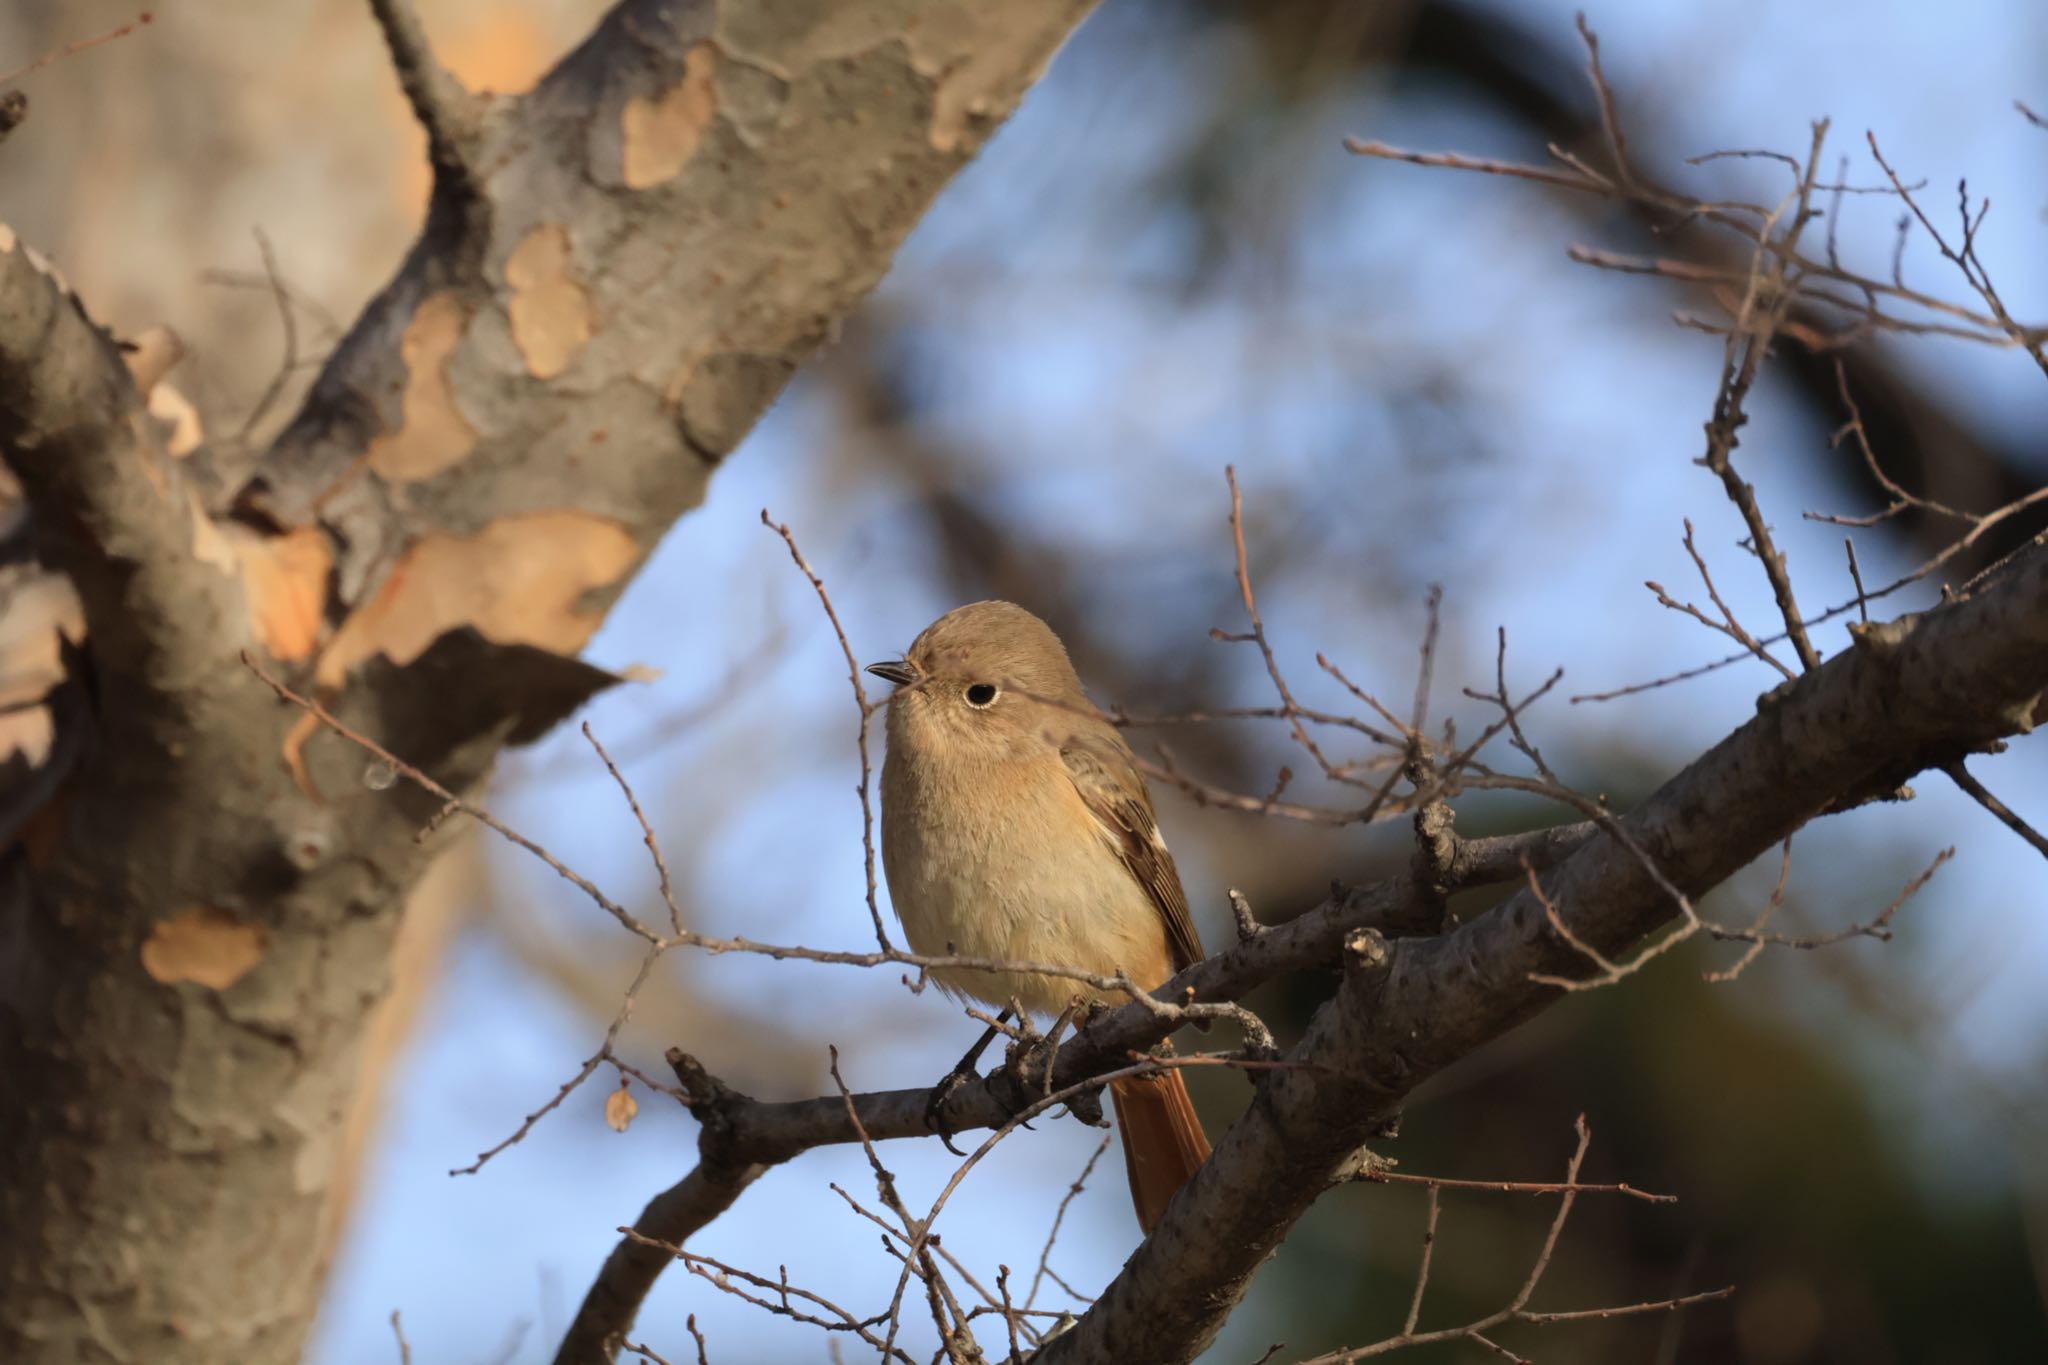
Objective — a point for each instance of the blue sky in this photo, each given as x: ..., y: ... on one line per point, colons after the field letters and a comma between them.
x: 1101, y: 408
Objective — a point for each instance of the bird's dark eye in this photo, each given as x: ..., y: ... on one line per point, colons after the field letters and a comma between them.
x: 981, y: 694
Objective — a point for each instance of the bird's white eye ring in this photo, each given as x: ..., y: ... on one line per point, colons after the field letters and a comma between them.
x: 981, y: 695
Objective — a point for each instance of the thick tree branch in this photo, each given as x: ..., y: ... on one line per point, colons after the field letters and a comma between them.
x: 742, y: 1136
x: 617, y: 274
x: 111, y: 507
x: 1914, y: 693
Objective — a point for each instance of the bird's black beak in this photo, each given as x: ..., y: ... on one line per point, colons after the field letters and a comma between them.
x: 897, y: 671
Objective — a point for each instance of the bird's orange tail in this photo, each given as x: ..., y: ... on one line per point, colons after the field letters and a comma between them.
x: 1163, y: 1139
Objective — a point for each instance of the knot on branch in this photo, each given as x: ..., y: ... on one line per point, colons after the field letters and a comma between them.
x: 713, y: 1103
x: 1366, y: 953
x: 1434, y: 864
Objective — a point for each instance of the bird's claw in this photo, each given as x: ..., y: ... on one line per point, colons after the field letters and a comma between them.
x: 935, y: 1106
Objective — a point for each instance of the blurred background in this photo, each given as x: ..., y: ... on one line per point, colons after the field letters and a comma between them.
x: 1167, y: 263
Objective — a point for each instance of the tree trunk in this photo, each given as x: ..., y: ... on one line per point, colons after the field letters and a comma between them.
x: 618, y: 273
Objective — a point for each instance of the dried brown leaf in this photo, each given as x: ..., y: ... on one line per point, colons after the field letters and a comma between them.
x: 619, y: 1108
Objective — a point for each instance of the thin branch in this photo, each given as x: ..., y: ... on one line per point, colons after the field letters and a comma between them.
x: 1763, y: 917
x: 668, y: 895
x: 114, y: 510
x: 1059, y: 1215
x: 1977, y: 792
x: 1728, y: 624
x: 450, y: 114
x: 1377, y: 1176
x: 1964, y: 258
x: 287, y: 317
x: 452, y: 802
x: 72, y: 49
x: 1289, y: 708
x: 1422, y: 1266
x: 867, y: 712
x: 1516, y: 1309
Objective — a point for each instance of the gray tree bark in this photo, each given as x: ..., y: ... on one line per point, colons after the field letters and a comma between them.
x: 618, y: 273
x: 1916, y: 693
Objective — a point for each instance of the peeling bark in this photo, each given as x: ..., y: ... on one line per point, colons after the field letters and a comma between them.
x: 618, y: 273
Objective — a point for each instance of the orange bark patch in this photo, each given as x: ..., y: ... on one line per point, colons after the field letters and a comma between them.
x: 550, y: 312
x: 294, y: 753
x: 202, y: 945
x: 177, y: 419
x: 432, y: 433
x: 517, y: 581
x: 151, y: 355
x: 42, y: 612
x: 660, y: 135
x: 284, y: 581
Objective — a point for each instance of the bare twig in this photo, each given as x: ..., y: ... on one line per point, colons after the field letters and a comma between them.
x: 668, y: 895
x: 425, y: 783
x: 449, y: 113
x: 741, y: 1284
x: 1763, y: 917
x: 1728, y: 624
x: 1516, y: 1309
x: 867, y: 711
x: 1289, y: 708
x: 1977, y: 792
x: 72, y: 49
x: 287, y: 317
x: 1059, y: 1215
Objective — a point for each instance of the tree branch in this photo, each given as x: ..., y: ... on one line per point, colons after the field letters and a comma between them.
x: 1917, y: 692
x: 1914, y: 693
x: 617, y: 274
x: 741, y: 1137
x: 111, y: 508
x: 449, y: 113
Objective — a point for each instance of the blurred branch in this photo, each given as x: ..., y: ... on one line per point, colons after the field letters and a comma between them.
x: 485, y: 459
x: 449, y: 114
x: 111, y: 507
x: 1514, y: 69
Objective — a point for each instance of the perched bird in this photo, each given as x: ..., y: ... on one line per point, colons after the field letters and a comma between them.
x: 1016, y: 826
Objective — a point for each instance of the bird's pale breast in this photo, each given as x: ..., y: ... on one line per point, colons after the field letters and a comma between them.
x: 1002, y: 860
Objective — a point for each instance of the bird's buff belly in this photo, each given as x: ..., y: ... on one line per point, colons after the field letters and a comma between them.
x: 1102, y: 923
